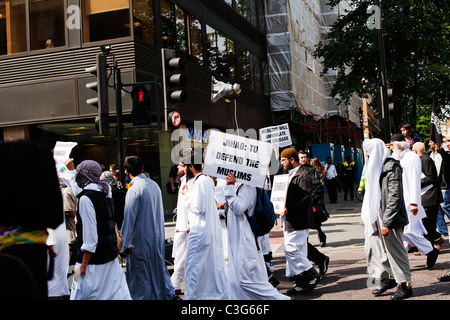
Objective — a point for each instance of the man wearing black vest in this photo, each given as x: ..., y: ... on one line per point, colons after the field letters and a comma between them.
x: 98, y: 274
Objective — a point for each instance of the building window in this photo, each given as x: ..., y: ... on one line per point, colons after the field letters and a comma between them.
x: 144, y: 20
x: 221, y: 54
x: 195, y: 40
x: 47, y: 24
x: 168, y: 30
x: 249, y: 70
x: 241, y: 7
x: 181, y: 31
x: 105, y: 19
x: 12, y: 27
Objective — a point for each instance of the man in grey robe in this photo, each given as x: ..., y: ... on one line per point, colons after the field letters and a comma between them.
x: 144, y: 237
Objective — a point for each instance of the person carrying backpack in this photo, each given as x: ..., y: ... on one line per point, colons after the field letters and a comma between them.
x: 247, y: 277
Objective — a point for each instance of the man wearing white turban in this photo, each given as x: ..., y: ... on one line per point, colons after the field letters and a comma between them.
x: 384, y: 215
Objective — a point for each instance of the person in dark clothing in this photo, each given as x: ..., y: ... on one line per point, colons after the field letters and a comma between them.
x: 348, y: 176
x: 23, y: 224
x: 432, y: 197
x: 298, y: 219
x: 315, y: 255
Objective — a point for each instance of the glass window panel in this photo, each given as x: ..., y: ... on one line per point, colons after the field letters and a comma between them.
x: 256, y: 72
x: 266, y: 81
x: 144, y: 20
x: 12, y: 27
x: 168, y: 28
x: 181, y: 33
x: 241, y: 7
x: 195, y: 40
x: 47, y: 24
x: 244, y: 67
x: 261, y: 16
x: 229, y: 2
x: 252, y: 14
x: 220, y: 53
x: 111, y: 22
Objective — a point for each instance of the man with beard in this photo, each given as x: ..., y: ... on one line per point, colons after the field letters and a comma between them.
x: 384, y: 215
x: 205, y: 266
x: 297, y: 220
x: 411, y: 175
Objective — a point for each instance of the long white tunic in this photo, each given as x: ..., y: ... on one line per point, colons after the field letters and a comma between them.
x: 57, y: 286
x: 180, y: 237
x: 101, y: 281
x: 247, y: 275
x: 413, y: 233
x: 143, y: 230
x: 205, y: 267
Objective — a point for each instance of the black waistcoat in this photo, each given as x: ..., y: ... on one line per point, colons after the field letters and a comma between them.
x: 107, y: 243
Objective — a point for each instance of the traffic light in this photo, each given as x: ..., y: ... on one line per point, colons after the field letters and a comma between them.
x: 100, y: 86
x: 390, y: 96
x: 173, y: 79
x: 141, y: 112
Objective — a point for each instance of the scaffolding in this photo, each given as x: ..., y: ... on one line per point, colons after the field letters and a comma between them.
x: 294, y: 28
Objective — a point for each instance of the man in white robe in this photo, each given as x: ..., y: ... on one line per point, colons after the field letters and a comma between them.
x: 204, y: 277
x: 247, y: 275
x: 180, y: 234
x: 414, y: 232
x: 144, y: 237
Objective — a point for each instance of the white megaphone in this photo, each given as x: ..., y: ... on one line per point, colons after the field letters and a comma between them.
x: 221, y: 89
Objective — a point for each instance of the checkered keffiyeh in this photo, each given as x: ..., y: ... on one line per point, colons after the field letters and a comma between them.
x: 89, y: 171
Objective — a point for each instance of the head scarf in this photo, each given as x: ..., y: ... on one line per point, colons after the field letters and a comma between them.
x: 378, y: 153
x: 108, y: 177
x: 89, y: 171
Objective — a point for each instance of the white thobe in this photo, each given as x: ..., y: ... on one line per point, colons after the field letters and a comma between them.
x: 101, y: 281
x: 413, y: 234
x: 180, y: 237
x: 247, y: 275
x: 205, y: 266
x: 220, y: 198
x: 57, y: 286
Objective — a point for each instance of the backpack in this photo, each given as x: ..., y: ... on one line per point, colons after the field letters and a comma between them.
x: 263, y: 219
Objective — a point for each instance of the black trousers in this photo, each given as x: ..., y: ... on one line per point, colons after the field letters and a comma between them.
x: 331, y: 188
x: 349, y: 184
x: 430, y: 221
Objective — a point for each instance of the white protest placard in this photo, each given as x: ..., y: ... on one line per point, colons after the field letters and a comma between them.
x: 277, y: 135
x: 248, y: 159
x: 279, y: 192
x: 61, y: 152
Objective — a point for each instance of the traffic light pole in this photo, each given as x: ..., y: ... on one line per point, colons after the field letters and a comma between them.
x: 385, y: 116
x: 118, y: 95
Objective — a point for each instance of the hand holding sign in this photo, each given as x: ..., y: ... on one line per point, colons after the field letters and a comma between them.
x: 246, y: 158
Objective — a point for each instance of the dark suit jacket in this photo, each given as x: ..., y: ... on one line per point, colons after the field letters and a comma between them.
x: 433, y: 196
x: 299, y: 202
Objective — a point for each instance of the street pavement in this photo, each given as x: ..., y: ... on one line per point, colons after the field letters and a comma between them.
x: 347, y: 278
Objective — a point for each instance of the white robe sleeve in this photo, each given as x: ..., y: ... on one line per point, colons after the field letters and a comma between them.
x: 130, y: 216
x: 241, y: 202
x: 195, y: 200
x: 88, y: 216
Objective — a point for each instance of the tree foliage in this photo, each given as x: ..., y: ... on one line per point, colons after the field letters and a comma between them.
x: 417, y: 50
